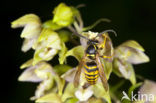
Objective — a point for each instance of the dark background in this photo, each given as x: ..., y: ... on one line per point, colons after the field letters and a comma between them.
x: 131, y: 19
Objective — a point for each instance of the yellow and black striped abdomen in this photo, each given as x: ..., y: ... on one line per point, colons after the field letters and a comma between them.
x: 91, y: 72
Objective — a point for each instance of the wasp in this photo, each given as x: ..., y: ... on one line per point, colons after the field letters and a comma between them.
x: 91, y: 63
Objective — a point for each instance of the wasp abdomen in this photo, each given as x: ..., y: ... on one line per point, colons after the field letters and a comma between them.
x: 91, y: 72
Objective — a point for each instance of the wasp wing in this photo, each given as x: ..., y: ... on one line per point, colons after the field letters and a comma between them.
x: 78, y: 72
x: 101, y: 73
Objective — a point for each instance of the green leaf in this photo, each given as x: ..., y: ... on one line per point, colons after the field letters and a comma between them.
x: 124, y: 69
x: 100, y: 92
x: 69, y: 92
x: 49, y: 98
x: 60, y: 69
x: 63, y: 15
x: 133, y: 87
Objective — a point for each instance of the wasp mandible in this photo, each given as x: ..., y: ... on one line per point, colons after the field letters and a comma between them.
x: 91, y: 63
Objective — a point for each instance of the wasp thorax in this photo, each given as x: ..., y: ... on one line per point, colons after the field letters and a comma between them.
x: 91, y: 49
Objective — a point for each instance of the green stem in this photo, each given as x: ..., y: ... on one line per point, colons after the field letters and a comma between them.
x: 96, y: 23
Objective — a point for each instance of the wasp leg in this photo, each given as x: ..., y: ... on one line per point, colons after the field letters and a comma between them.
x: 104, y: 56
x: 86, y: 85
x: 104, y: 43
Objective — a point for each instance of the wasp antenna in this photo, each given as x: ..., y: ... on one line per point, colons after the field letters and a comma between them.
x: 75, y: 33
x: 106, y: 31
x: 80, y: 6
x: 79, y: 35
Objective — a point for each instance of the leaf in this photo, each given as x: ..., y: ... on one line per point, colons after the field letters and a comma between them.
x: 133, y: 87
x: 49, y: 98
x: 63, y: 15
x: 69, y: 92
x: 60, y: 69
x: 132, y: 52
x: 100, y: 92
x: 124, y: 69
x: 31, y: 24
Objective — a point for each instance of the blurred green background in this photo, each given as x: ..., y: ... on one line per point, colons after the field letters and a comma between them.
x: 131, y: 19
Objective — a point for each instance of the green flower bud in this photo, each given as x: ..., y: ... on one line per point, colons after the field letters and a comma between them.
x: 63, y: 15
